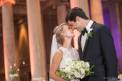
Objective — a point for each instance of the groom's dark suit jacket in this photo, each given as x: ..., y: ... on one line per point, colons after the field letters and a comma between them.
x: 100, y: 51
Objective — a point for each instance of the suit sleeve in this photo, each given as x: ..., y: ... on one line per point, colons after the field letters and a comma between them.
x: 109, y: 53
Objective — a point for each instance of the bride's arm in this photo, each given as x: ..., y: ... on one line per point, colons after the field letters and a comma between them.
x: 75, y: 38
x: 54, y: 66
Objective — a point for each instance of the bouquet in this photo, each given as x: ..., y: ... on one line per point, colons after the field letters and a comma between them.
x: 76, y: 69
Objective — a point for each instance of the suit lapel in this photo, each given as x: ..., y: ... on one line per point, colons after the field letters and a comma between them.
x: 80, y: 48
x: 86, y: 44
x: 88, y: 39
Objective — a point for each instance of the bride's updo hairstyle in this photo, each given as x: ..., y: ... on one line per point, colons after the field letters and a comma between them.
x: 59, y: 33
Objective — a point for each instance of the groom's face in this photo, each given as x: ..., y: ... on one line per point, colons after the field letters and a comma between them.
x: 72, y: 25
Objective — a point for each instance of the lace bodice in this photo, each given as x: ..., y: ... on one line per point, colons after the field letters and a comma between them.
x: 68, y: 55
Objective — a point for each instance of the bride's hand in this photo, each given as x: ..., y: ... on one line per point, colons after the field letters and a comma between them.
x: 75, y: 38
x: 76, y: 34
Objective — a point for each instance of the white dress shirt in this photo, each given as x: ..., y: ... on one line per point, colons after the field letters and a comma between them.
x: 84, y: 37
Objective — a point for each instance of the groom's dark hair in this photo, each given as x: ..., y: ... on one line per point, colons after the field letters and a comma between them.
x: 71, y: 15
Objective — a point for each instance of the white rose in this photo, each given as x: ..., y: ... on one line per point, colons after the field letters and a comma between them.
x: 77, y: 74
x: 67, y: 69
x: 87, y: 64
x: 82, y: 73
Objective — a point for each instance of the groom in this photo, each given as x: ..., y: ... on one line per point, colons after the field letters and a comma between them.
x: 95, y: 46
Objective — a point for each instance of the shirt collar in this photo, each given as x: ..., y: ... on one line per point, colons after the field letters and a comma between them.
x: 88, y: 26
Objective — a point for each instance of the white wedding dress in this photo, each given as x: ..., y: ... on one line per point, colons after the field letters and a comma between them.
x: 68, y: 55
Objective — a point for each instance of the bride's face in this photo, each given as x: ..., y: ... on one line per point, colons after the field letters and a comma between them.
x: 67, y: 32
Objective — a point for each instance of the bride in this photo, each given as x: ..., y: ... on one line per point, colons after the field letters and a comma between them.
x: 65, y: 52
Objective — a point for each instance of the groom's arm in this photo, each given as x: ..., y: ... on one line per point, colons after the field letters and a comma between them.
x: 109, y: 54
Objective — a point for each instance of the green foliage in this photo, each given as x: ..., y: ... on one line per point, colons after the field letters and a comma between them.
x: 90, y: 71
x: 90, y: 34
x: 13, y: 70
x: 61, y: 74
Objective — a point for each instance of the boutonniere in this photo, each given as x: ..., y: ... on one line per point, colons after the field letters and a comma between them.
x: 90, y: 34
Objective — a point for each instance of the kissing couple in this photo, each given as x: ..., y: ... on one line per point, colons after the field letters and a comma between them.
x: 81, y: 38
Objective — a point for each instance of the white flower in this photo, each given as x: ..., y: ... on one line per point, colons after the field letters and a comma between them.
x: 75, y: 69
x: 87, y: 66
x: 77, y: 74
x: 14, y: 65
x: 67, y: 69
x: 82, y: 73
x: 13, y: 75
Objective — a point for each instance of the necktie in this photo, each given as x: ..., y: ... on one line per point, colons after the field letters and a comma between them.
x: 84, y: 31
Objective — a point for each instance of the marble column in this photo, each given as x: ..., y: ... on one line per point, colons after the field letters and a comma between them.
x: 8, y: 38
x: 36, y: 41
x: 96, y: 11
x: 61, y: 13
x: 81, y: 4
